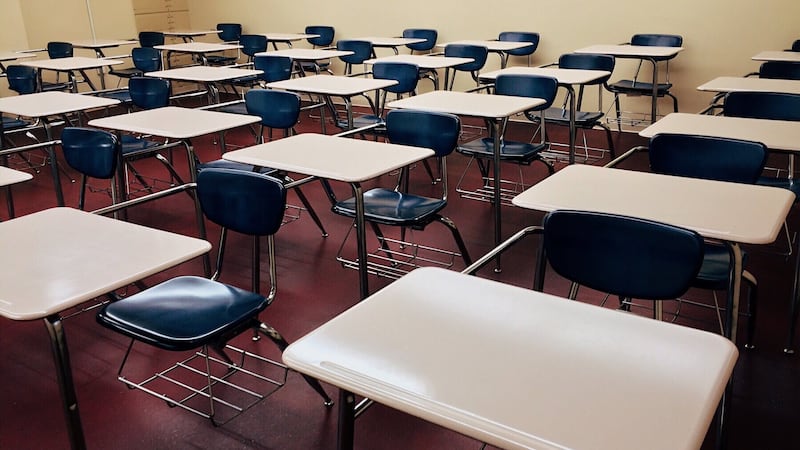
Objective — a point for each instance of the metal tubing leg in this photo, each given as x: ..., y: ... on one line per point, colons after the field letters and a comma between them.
x: 51, y: 153
x: 794, y: 303
x: 363, y: 281
x: 497, y: 125
x: 58, y: 343
x: 735, y: 277
x: 347, y: 418
x: 310, y: 210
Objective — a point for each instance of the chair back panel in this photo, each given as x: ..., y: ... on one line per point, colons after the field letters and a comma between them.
x: 622, y: 256
x: 521, y: 36
x: 149, y: 92
x: 478, y: 54
x: 362, y: 50
x: 151, y: 38
x: 252, y: 44
x: 436, y: 131
x: 534, y: 86
x: 796, y: 46
x: 229, y: 31
x: 90, y: 151
x: 585, y: 61
x: 325, y: 32
x: 428, y: 34
x: 657, y: 40
x: 246, y: 202
x: 57, y: 50
x: 277, y: 109
x: 707, y: 157
x: 275, y: 68
x: 21, y: 79
x: 407, y: 76
x: 146, y: 59
x: 762, y: 105
x: 783, y: 70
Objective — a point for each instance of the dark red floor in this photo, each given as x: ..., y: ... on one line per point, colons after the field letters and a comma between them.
x: 313, y: 287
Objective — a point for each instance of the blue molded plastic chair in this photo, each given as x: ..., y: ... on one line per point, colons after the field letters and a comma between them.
x: 638, y: 87
x: 362, y: 51
x: 796, y: 46
x: 482, y: 150
x: 189, y: 312
x: 93, y: 153
x: 252, y: 44
x: 394, y: 207
x: 277, y: 110
x: 21, y: 79
x: 145, y: 59
x: 720, y: 159
x: 783, y: 70
x: 430, y: 36
x: 584, y: 119
x: 478, y: 54
x: 273, y: 68
x: 151, y: 38
x: 228, y: 33
x: 57, y: 50
x: 521, y: 36
x: 325, y: 35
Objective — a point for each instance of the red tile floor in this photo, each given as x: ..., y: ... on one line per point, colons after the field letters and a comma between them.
x: 313, y: 287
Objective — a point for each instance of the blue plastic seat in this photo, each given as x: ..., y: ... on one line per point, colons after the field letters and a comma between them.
x: 189, y: 312
x: 430, y: 36
x: 521, y: 36
x: 784, y: 70
x: 477, y: 53
x: 228, y: 33
x: 58, y: 50
x: 394, y: 207
x: 362, y: 51
x: 325, y: 36
x: 151, y: 38
x: 92, y: 153
x: 145, y: 59
x: 796, y: 46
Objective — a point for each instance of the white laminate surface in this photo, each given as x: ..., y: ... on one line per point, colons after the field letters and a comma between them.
x: 519, y: 369
x: 307, y: 54
x: 204, y: 73
x: 11, y: 56
x: 750, y: 84
x: 631, y: 51
x: 491, y: 45
x: 332, y: 85
x: 423, y: 61
x: 564, y: 76
x: 71, y: 63
x: 102, y: 43
x: 174, y: 122
x: 775, y: 134
x: 62, y: 257
x: 197, y: 47
x: 733, y: 212
x: 330, y: 157
x: 777, y: 55
x: 43, y: 104
x: 468, y: 103
x: 11, y: 176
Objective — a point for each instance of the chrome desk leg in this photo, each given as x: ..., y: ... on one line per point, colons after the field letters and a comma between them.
x: 58, y: 343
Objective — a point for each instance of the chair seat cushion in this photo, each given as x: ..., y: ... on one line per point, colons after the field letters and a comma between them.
x: 639, y: 87
x: 132, y: 145
x: 364, y: 121
x: 389, y: 207
x: 215, y: 60
x: 13, y: 123
x: 123, y: 95
x: 714, y: 271
x: 233, y: 108
x: 182, y: 313
x: 561, y: 116
x: 519, y: 152
x: 127, y: 72
x: 225, y: 164
x: 784, y: 183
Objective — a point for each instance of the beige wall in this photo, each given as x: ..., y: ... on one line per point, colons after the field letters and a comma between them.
x: 719, y: 35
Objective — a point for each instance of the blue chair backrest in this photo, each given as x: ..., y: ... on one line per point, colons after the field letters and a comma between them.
x: 407, y: 75
x: 229, y: 31
x: 277, y: 109
x: 478, y: 53
x: 534, y: 86
x: 253, y: 43
x: 657, y: 40
x: 622, y: 255
x: 246, y: 202
x: 275, y: 68
x: 521, y: 36
x: 362, y: 50
x: 436, y: 131
x: 711, y: 158
x: 146, y: 59
x: 151, y: 38
x: 90, y: 151
x: 325, y: 35
x: 21, y: 79
x: 586, y: 61
x: 762, y: 105
x: 783, y: 70
x: 796, y: 46
x: 428, y: 34
x: 57, y: 50
x: 149, y: 92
